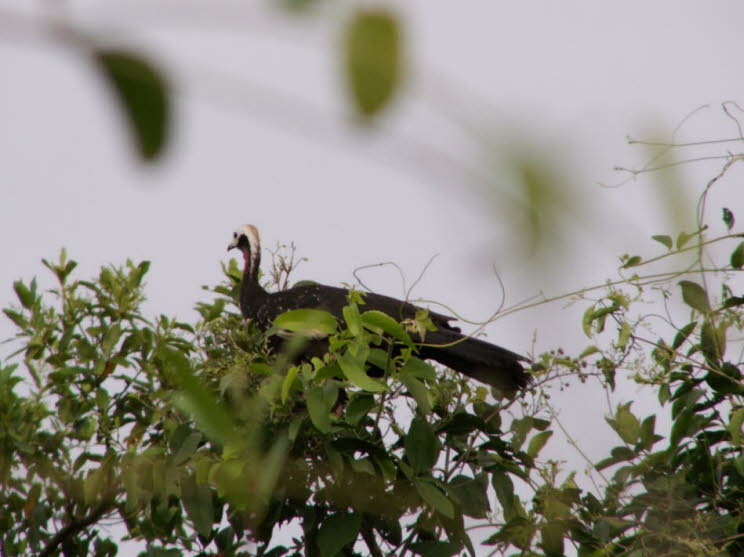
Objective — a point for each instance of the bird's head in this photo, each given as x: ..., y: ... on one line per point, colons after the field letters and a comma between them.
x: 246, y: 239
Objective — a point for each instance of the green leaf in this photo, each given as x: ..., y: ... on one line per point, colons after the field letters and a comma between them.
x: 735, y: 426
x: 353, y: 319
x: 311, y: 322
x: 713, y: 341
x: 288, y: 382
x: 626, y: 424
x: 521, y: 427
x: 471, y: 494
x: 198, y: 503
x: 418, y: 390
x: 197, y: 399
x: 683, y: 238
x: 624, y: 335
x: 353, y: 369
x: 419, y: 369
x: 683, y: 334
x: 337, y: 532
x: 504, y: 488
x: 435, y: 548
x: 359, y: 407
x: 737, y: 256
x: 422, y: 446
x: 373, y: 59
x: 537, y: 443
x: 695, y: 296
x: 664, y: 239
x: 728, y: 218
x: 379, y: 322
x: 434, y: 497
x: 25, y: 295
x: 143, y: 96
x: 632, y: 261
x: 551, y: 535
x: 586, y: 321
x: 725, y: 380
x: 320, y: 401
x: 187, y: 448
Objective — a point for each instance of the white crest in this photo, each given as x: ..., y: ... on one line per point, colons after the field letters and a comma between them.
x: 254, y: 243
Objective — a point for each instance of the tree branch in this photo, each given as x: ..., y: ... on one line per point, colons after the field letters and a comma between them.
x: 77, y: 526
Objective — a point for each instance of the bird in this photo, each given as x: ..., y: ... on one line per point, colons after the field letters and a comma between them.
x: 446, y: 344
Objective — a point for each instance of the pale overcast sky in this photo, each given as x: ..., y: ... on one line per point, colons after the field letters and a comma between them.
x: 263, y: 135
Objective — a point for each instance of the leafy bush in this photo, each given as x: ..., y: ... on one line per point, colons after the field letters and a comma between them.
x: 202, y: 442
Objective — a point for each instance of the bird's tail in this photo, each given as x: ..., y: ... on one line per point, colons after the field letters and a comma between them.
x: 478, y: 359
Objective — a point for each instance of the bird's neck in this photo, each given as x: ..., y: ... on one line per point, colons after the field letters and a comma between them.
x: 252, y: 294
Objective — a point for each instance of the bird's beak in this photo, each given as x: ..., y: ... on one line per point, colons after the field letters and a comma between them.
x: 233, y: 244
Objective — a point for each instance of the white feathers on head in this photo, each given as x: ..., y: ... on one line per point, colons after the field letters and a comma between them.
x: 254, y: 243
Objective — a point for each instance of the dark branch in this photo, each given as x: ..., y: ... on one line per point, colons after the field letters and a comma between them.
x: 368, y: 536
x: 77, y: 526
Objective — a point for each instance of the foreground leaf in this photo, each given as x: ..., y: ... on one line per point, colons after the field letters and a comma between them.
x: 373, y: 59
x: 143, y: 96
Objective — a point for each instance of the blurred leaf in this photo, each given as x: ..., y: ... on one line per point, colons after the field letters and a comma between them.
x: 683, y: 238
x: 538, y: 442
x: 632, y: 261
x: 735, y: 426
x: 737, y: 256
x: 504, y: 488
x: 664, y: 239
x: 435, y: 498
x: 434, y: 548
x: 25, y: 295
x: 626, y: 424
x: 726, y: 380
x: 695, y: 296
x: 418, y: 390
x: 359, y: 407
x: 422, y: 446
x: 471, y: 494
x: 307, y: 321
x: 288, y: 382
x: 728, y: 218
x: 336, y: 532
x: 713, y: 341
x: 142, y: 94
x: 320, y: 401
x: 373, y: 59
x: 198, y: 504
x: 683, y: 334
x: 551, y: 535
x: 419, y: 369
x: 198, y: 400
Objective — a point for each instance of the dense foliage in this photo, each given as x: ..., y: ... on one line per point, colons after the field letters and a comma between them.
x: 197, y: 441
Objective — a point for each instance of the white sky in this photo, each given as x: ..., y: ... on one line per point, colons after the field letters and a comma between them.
x: 263, y: 135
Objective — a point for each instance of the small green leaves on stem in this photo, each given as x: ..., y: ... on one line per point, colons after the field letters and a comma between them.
x: 143, y: 96
x: 665, y: 240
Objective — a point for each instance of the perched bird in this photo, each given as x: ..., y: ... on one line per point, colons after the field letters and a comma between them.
x: 473, y: 357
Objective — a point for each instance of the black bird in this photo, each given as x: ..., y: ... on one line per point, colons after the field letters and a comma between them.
x: 475, y: 358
